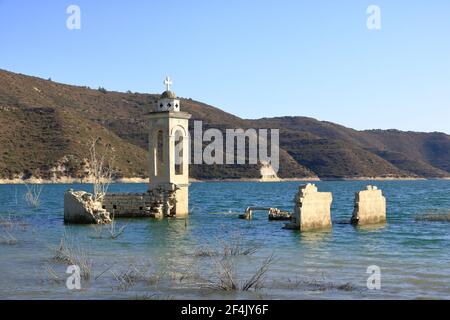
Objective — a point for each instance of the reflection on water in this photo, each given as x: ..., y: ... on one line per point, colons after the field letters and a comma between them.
x: 377, y: 227
x: 315, y: 238
x: 163, y: 259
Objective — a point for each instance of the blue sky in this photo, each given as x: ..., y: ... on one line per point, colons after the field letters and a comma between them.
x: 251, y: 58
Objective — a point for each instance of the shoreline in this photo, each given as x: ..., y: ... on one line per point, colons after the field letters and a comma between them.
x: 67, y: 180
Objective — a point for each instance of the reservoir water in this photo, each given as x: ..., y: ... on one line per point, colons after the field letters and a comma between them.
x: 183, y: 258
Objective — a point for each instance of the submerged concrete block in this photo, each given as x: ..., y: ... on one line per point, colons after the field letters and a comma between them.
x: 312, y: 209
x: 370, y: 206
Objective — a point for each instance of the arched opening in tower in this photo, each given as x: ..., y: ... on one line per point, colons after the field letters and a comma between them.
x: 159, y: 157
x: 179, y: 140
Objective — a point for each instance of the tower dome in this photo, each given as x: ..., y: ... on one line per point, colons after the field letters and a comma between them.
x: 168, y: 94
x: 168, y: 100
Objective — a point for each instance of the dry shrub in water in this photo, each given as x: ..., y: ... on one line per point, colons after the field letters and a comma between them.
x: 225, y: 270
x: 224, y: 274
x: 136, y: 273
x: 234, y: 247
x: 257, y: 280
x: 9, y: 226
x: 33, y: 195
x: 112, y: 232
x: 53, y: 275
x: 101, y: 168
x: 72, y: 254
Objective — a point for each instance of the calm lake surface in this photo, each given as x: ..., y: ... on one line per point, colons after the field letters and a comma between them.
x: 166, y: 259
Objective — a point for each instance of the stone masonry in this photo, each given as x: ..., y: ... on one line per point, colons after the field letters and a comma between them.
x: 155, y: 203
x: 80, y: 207
x: 370, y: 206
x: 312, y: 209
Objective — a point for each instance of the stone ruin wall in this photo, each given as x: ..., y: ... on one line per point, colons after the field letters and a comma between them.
x: 80, y: 207
x: 155, y: 203
x: 370, y: 206
x: 312, y: 209
x: 127, y: 204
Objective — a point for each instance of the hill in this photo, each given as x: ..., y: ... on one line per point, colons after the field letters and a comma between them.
x: 45, y: 128
x: 332, y: 150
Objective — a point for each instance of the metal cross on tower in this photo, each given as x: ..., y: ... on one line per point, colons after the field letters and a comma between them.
x: 168, y: 83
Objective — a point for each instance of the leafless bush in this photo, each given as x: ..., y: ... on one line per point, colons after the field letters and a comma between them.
x: 136, y: 273
x: 188, y: 272
x: 33, y: 195
x: 9, y: 226
x: 224, y: 275
x: 235, y: 247
x: 53, y: 276
x: 101, y: 168
x: 112, y: 232
x: 74, y: 255
x: 257, y: 280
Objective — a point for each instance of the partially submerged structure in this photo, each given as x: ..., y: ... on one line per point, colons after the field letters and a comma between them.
x: 81, y: 207
x: 370, y: 206
x: 312, y: 209
x: 168, y: 190
x: 273, y: 213
x: 268, y: 174
x: 167, y: 193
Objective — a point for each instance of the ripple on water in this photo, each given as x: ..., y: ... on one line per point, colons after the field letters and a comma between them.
x: 413, y: 256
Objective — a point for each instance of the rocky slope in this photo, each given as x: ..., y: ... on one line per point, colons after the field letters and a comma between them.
x: 45, y: 128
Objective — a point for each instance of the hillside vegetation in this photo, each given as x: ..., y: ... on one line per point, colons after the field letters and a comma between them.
x: 45, y: 129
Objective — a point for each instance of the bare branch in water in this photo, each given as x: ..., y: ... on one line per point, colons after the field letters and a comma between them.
x: 112, y: 229
x: 74, y: 255
x: 101, y: 168
x: 225, y: 269
x: 257, y: 280
x: 33, y: 195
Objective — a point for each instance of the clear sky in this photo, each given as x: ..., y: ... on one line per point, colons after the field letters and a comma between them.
x: 253, y: 58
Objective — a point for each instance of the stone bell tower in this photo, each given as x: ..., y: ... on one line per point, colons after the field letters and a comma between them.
x: 169, y: 153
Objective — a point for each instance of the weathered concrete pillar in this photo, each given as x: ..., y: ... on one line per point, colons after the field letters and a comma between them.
x: 312, y: 209
x: 370, y: 206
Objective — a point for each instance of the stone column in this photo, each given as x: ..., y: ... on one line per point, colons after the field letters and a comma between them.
x: 312, y: 209
x: 370, y: 207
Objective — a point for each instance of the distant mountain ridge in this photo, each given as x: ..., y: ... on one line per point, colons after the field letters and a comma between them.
x: 45, y: 127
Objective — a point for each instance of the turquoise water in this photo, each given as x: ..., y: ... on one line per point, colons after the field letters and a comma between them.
x: 414, y: 257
